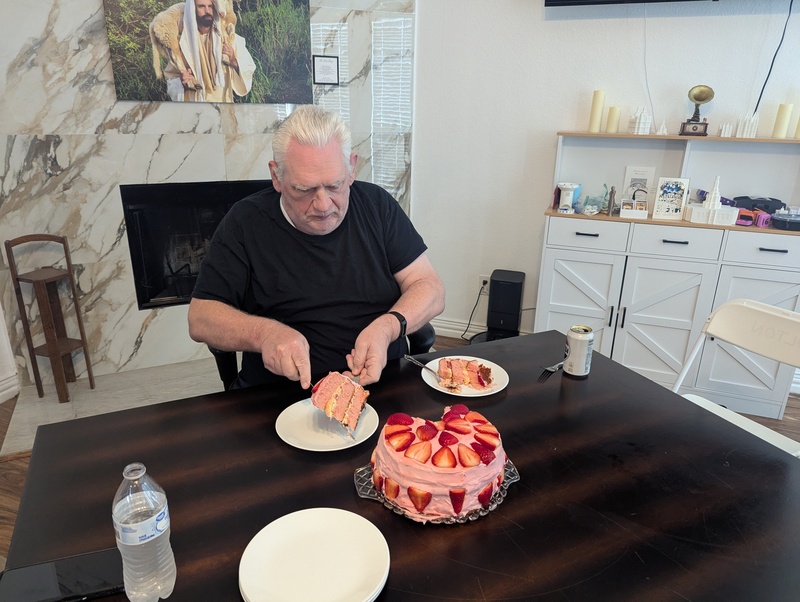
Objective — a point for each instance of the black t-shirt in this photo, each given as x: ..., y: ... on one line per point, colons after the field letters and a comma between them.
x: 327, y: 287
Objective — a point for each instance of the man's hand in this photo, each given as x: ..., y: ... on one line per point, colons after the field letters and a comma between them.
x: 187, y: 79
x: 227, y: 51
x: 368, y: 359
x: 285, y: 351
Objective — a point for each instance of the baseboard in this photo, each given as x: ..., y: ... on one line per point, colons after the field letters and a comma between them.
x: 9, y: 387
x: 454, y: 329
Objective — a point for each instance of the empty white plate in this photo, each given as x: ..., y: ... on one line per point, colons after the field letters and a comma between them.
x: 320, y: 554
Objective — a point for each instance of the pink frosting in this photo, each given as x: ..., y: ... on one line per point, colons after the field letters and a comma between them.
x: 410, y: 472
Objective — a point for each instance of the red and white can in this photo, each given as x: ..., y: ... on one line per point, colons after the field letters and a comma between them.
x: 578, y: 351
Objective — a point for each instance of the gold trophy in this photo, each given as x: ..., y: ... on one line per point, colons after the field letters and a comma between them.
x: 699, y: 95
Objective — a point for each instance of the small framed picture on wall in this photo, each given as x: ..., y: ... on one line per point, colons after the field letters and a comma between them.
x: 326, y: 70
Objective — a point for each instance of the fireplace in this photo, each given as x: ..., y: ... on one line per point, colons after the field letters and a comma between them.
x: 169, y: 229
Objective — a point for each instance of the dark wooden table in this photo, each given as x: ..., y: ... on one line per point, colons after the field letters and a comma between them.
x: 627, y: 491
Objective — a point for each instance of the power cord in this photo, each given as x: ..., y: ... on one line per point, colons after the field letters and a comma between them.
x: 469, y: 322
x: 774, y: 56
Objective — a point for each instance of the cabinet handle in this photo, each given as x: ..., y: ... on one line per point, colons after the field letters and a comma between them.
x: 593, y: 234
x: 773, y: 250
x: 610, y: 316
x: 624, y: 311
x: 674, y: 242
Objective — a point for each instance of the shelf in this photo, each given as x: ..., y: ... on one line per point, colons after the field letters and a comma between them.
x: 616, y: 218
x: 65, y: 347
x: 759, y: 167
x: 681, y: 138
x: 44, y: 275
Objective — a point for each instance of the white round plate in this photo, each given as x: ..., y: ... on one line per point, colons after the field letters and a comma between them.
x: 306, y: 427
x: 320, y: 554
x: 499, y: 378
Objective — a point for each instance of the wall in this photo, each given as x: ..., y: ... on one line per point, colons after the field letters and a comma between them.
x: 493, y: 83
x: 69, y: 144
x: 507, y: 75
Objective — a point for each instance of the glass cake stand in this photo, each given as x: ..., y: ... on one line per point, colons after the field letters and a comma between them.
x: 366, y: 489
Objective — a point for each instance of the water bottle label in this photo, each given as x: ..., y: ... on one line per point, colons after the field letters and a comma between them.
x: 135, y: 534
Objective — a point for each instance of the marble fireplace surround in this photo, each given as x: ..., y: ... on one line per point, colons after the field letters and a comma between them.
x: 69, y: 145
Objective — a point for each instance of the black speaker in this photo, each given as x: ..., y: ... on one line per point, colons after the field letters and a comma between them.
x: 505, y: 303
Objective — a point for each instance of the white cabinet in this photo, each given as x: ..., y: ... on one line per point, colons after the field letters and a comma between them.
x: 646, y: 287
x: 646, y: 290
x: 764, y: 268
x: 646, y: 299
x: 580, y: 287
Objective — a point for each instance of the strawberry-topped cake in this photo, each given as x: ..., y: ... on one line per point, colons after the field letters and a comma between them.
x: 438, y: 470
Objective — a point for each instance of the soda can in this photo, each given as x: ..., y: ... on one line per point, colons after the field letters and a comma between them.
x: 578, y: 351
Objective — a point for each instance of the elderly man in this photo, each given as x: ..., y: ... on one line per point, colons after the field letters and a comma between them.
x: 215, y: 67
x: 316, y: 272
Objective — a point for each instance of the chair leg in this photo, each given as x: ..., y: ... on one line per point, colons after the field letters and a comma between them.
x: 84, y: 342
x: 37, y: 378
x: 51, y: 338
x: 54, y: 302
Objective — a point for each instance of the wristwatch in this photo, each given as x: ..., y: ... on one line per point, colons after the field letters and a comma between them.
x: 401, y: 318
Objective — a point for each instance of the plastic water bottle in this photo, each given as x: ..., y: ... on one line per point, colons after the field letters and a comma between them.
x: 141, y: 525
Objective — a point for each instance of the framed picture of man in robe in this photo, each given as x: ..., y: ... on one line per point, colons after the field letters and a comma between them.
x: 211, y: 50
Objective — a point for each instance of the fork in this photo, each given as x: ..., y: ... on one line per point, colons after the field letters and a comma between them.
x: 549, y: 371
x: 416, y: 362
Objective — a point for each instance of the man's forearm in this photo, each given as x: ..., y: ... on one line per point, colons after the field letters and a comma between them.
x: 421, y: 302
x: 226, y: 328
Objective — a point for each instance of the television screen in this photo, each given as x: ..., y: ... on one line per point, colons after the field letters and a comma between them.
x: 592, y: 2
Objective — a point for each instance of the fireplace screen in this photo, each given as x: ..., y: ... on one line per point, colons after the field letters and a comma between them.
x: 169, y: 229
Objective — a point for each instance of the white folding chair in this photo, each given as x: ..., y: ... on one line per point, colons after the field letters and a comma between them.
x: 763, y: 329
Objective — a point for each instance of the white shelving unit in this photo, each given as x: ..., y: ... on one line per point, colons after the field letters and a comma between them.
x: 746, y: 166
x: 646, y: 287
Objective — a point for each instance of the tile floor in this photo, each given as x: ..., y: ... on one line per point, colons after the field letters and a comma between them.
x: 112, y: 392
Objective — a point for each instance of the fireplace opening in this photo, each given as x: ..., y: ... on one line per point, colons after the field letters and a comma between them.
x: 169, y: 229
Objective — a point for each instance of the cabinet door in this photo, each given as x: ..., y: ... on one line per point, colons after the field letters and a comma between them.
x: 579, y: 287
x: 727, y: 370
x: 664, y: 305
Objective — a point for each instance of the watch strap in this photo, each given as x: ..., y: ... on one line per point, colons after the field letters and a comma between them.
x: 400, y: 318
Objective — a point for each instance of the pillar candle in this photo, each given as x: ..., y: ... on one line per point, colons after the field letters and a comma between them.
x: 612, y: 125
x: 598, y: 98
x: 797, y: 131
x: 782, y: 121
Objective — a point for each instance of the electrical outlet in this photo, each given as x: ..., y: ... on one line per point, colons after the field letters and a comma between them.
x: 483, y: 284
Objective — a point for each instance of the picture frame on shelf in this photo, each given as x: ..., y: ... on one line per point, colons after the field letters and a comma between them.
x: 639, y: 180
x: 671, y: 197
x: 633, y: 209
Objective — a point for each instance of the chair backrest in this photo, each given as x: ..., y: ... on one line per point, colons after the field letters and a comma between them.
x: 40, y: 238
x: 227, y: 365
x: 763, y: 329
x: 422, y: 340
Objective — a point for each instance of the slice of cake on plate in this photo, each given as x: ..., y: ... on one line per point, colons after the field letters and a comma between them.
x: 455, y: 372
x: 340, y: 398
